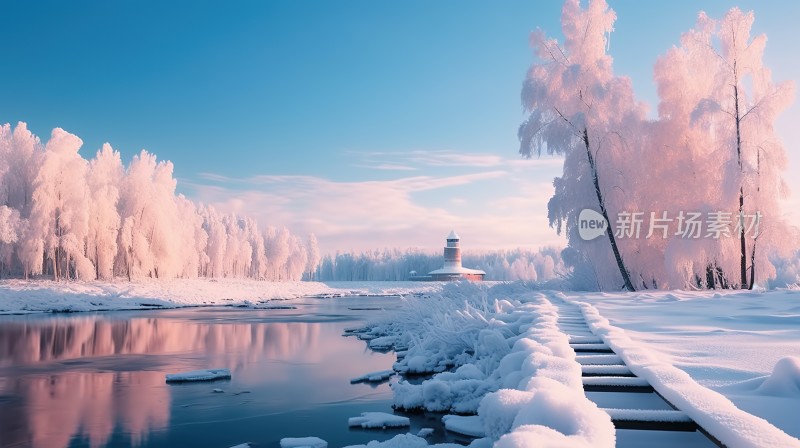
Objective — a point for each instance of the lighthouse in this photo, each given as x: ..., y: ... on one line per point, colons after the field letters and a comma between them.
x: 452, y: 252
x: 452, y: 269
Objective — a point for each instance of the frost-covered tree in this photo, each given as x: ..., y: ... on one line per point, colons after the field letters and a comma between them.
x: 313, y: 255
x: 10, y: 227
x: 712, y: 151
x: 104, y: 179
x: 739, y: 106
x: 578, y: 108
x: 60, y: 213
x: 277, y: 243
x: 63, y: 216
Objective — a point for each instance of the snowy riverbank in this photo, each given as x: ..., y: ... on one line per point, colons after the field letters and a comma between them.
x: 730, y: 360
x: 41, y: 296
x: 499, y: 356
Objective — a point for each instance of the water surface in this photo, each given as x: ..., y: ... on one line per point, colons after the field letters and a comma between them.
x: 99, y: 379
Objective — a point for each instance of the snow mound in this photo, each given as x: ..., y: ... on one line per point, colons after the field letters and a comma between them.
x: 398, y: 441
x: 303, y: 442
x: 784, y: 380
x: 199, y: 375
x: 379, y: 420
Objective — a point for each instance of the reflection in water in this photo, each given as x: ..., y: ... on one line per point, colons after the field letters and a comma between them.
x: 82, y: 378
x: 60, y: 406
x: 41, y: 340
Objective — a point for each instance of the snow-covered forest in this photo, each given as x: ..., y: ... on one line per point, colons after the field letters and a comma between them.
x: 692, y: 197
x: 66, y: 217
x: 396, y: 264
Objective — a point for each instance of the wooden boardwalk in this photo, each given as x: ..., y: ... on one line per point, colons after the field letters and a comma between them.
x: 630, y: 401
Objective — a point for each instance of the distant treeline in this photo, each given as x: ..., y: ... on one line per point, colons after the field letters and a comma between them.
x: 396, y: 264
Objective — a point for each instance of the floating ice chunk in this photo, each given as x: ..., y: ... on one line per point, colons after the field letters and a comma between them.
x: 217, y: 391
x: 425, y: 432
x: 398, y: 441
x: 373, y: 376
x: 378, y: 420
x: 303, y: 442
x: 199, y: 375
x: 471, y: 425
x: 243, y: 445
x: 784, y: 380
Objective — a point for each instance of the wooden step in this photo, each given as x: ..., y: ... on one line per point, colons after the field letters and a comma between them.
x: 585, y: 339
x: 605, y: 359
x: 649, y: 419
x: 598, y: 348
x: 606, y: 370
x: 616, y: 384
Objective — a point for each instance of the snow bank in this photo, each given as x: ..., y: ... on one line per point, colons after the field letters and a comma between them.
x: 199, y: 375
x: 711, y: 410
x: 784, y: 380
x: 303, y: 442
x: 379, y: 420
x: 36, y: 296
x: 497, y: 352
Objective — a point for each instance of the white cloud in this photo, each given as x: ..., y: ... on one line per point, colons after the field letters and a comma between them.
x: 361, y: 215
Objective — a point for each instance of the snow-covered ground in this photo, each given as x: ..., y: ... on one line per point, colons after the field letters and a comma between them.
x: 22, y: 296
x: 729, y: 342
x: 730, y: 361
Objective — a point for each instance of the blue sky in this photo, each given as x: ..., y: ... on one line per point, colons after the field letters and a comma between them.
x: 373, y: 124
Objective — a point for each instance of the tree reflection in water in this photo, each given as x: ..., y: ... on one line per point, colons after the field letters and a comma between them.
x: 85, y: 377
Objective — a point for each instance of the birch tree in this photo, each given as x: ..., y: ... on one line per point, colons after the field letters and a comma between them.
x: 578, y: 108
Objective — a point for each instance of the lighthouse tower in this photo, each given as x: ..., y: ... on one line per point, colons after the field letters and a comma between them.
x: 452, y: 269
x: 452, y: 252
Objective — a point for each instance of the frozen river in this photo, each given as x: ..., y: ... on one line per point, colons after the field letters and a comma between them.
x: 99, y: 379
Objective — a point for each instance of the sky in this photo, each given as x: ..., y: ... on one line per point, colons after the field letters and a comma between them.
x: 371, y: 124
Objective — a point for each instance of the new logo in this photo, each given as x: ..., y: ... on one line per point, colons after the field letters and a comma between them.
x: 591, y: 224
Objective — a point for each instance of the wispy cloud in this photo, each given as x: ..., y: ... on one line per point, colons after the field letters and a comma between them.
x: 388, y: 213
x: 388, y: 167
x: 418, y: 159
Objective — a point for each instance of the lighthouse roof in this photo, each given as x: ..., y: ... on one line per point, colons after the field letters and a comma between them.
x: 453, y: 235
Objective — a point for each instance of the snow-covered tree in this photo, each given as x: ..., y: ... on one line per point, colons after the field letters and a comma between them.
x: 578, y: 108
x: 739, y: 105
x: 64, y: 216
x: 60, y: 213
x: 104, y: 179
x: 313, y: 255
x: 712, y: 152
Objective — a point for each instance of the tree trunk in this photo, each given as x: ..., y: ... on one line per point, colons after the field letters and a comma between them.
x: 738, y: 117
x: 617, y: 256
